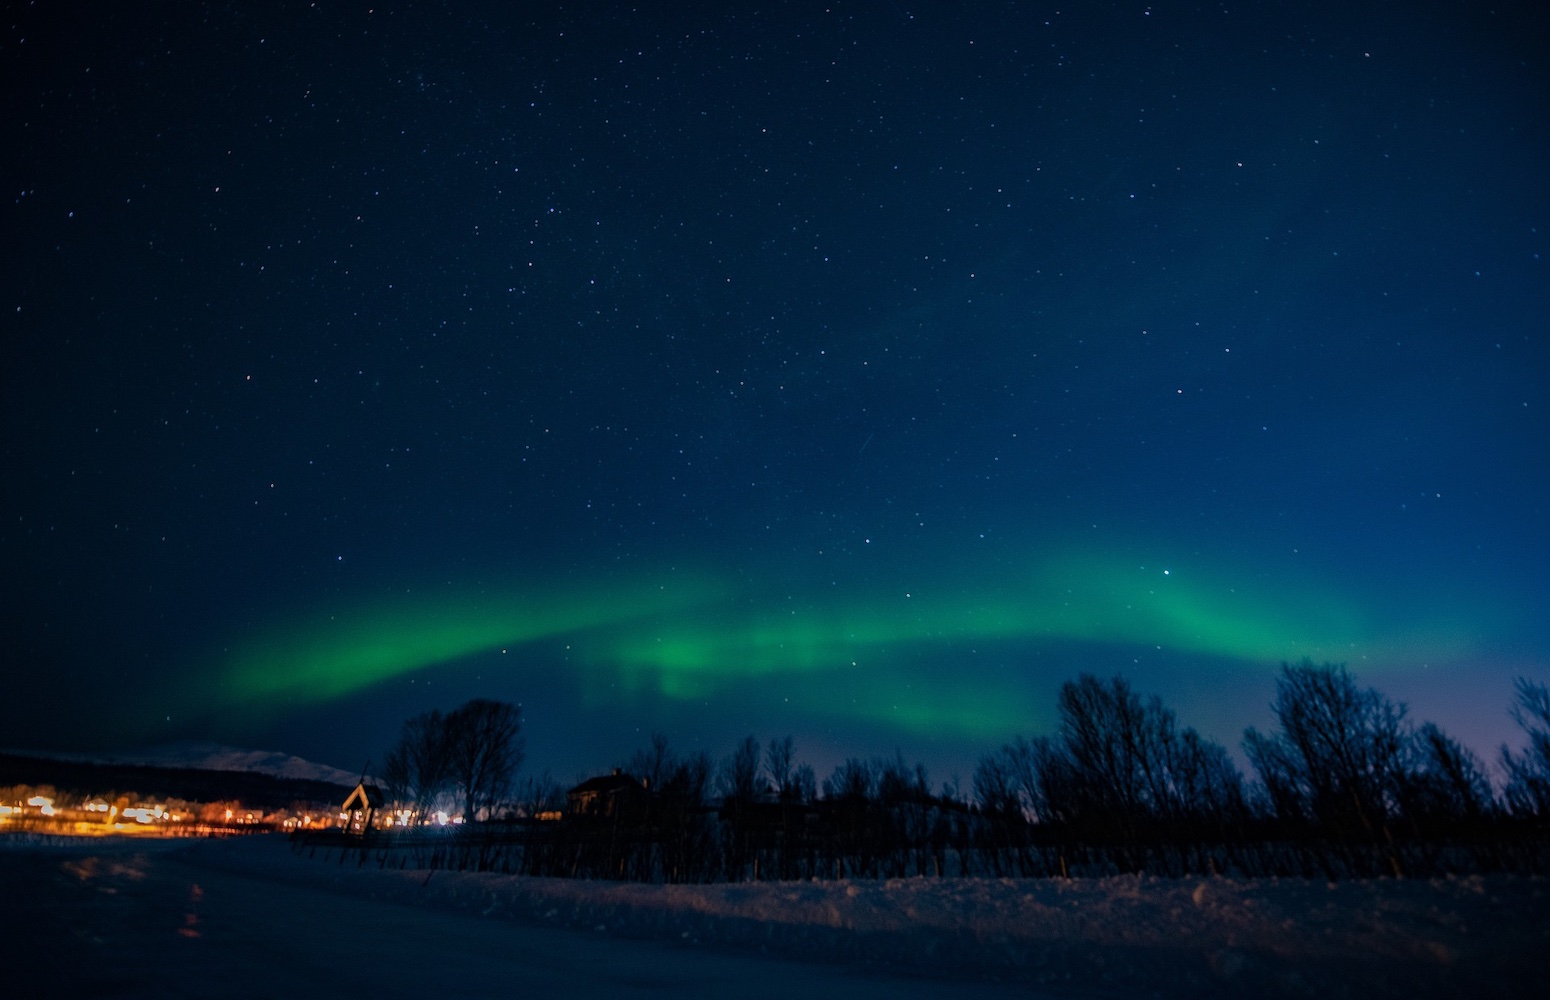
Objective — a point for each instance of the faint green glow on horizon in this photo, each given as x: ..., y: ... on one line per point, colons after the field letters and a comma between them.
x: 959, y: 704
x: 694, y: 639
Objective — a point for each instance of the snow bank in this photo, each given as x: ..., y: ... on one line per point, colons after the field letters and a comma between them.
x: 1138, y: 935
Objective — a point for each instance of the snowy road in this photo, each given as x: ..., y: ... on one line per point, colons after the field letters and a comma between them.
x: 117, y: 921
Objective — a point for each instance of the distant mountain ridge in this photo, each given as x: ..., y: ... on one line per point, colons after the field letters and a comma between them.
x: 204, y: 756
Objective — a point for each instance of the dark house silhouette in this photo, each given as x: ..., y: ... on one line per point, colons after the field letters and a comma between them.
x: 606, y: 795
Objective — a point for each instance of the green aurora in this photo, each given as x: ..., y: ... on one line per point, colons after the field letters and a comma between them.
x: 686, y: 637
x: 318, y: 660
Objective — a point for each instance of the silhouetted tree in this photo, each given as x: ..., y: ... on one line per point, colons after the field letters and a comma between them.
x: 1345, y: 785
x: 485, y: 748
x: 1443, y: 780
x: 418, y: 768
x: 397, y: 783
x: 906, y: 818
x: 1339, y: 757
x: 741, y: 776
x: 1123, y: 763
x: 995, y: 786
x: 1281, y: 793
x: 1046, y: 778
x: 538, y: 795
x: 1114, y: 743
x: 687, y: 834
x: 852, y: 780
x: 1120, y: 772
x: 653, y: 764
x: 1207, y: 785
x: 1000, y: 787
x: 741, y: 785
x: 780, y: 764
x: 1528, y: 773
x: 804, y: 783
x: 898, y: 782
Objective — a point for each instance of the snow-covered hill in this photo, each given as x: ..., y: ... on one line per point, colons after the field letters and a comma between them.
x: 211, y: 757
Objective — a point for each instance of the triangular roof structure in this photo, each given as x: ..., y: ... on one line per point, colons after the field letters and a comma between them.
x: 364, y: 797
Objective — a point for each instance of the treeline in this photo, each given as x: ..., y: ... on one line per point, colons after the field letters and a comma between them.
x: 1345, y: 786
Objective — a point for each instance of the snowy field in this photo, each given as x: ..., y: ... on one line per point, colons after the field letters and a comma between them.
x: 169, y: 917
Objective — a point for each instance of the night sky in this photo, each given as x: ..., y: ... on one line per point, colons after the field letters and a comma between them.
x: 857, y: 371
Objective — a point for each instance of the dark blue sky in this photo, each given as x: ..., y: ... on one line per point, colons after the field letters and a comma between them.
x: 857, y: 371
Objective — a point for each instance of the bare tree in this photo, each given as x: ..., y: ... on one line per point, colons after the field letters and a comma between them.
x: 741, y: 776
x: 687, y: 835
x: 485, y: 749
x: 539, y: 795
x: 780, y: 763
x: 852, y: 781
x: 996, y: 785
x: 418, y: 767
x: 689, y: 780
x: 1528, y: 773
x: 1122, y: 763
x: 1281, y: 793
x: 1444, y: 781
x: 1121, y: 773
x: 898, y: 782
x: 1339, y: 757
x: 804, y: 783
x: 1206, y: 784
x: 1113, y: 743
x: 653, y: 764
x: 397, y: 781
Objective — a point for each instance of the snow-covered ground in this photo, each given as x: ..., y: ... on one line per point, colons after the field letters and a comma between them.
x: 1117, y: 937
x: 1146, y: 936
